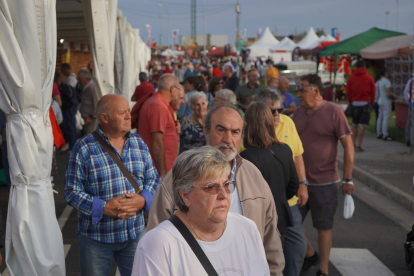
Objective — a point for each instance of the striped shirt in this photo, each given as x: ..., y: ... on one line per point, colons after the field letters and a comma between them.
x: 92, y: 178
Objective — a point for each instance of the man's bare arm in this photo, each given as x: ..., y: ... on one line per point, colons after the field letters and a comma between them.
x: 348, y: 162
x: 159, y: 152
x: 291, y: 108
x: 303, y: 189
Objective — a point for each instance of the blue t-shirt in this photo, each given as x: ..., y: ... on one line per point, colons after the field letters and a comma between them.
x: 288, y: 99
x: 383, y: 84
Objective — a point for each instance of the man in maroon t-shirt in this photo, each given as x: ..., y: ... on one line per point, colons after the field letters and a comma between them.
x: 144, y: 89
x: 156, y: 124
x: 166, y: 69
x: 321, y: 125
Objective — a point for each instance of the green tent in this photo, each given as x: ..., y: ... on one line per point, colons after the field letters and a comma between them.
x: 353, y: 45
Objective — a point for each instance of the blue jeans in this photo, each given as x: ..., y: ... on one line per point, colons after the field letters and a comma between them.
x: 95, y: 257
x: 294, y: 244
x: 5, y: 162
x: 69, y: 125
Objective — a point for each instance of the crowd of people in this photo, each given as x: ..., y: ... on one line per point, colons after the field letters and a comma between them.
x: 205, y: 172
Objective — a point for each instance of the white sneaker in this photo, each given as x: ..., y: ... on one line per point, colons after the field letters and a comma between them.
x: 65, y: 147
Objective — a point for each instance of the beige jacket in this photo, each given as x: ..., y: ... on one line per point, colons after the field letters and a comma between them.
x: 256, y: 201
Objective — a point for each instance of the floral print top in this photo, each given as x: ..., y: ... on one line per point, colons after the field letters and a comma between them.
x: 192, y: 135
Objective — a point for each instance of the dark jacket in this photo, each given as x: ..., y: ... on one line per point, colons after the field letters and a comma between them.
x: 232, y: 83
x: 281, y: 178
x: 1, y: 233
x: 360, y: 87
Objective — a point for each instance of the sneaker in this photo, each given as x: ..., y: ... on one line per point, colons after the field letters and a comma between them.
x: 379, y: 136
x: 310, y: 262
x: 321, y: 273
x: 359, y: 149
x: 388, y: 138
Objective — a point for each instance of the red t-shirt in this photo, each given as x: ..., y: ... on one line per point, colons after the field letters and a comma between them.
x: 155, y: 116
x: 217, y: 72
x: 168, y: 70
x: 144, y: 89
x: 320, y: 133
x: 55, y: 90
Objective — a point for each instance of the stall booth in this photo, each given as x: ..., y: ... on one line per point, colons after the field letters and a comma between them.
x: 30, y: 33
x: 398, y: 58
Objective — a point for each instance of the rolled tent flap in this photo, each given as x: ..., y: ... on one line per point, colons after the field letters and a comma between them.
x: 34, y: 244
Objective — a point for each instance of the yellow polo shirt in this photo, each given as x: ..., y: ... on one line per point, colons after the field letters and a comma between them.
x: 286, y: 133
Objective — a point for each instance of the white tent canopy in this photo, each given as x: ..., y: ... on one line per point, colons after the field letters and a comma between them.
x: 172, y: 53
x: 308, y: 40
x: 286, y: 44
x: 261, y: 47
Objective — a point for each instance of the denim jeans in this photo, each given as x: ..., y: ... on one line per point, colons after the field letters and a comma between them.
x: 95, y: 257
x: 69, y: 125
x: 294, y: 245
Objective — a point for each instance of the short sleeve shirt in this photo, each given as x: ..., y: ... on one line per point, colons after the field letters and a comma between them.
x: 272, y: 73
x: 288, y: 99
x: 55, y: 91
x: 383, y: 84
x: 155, y: 116
x: 319, y: 133
x: 286, y: 133
x: 144, y: 89
x: 244, y: 92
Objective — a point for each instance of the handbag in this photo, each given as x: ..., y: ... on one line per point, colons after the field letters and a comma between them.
x: 198, y: 251
x: 349, y: 207
x: 349, y: 110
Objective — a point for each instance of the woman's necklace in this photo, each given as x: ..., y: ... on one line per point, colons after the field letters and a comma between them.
x: 225, y: 224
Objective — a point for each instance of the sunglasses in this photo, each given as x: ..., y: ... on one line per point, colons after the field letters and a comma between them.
x: 214, y: 188
x: 279, y: 110
x: 221, y: 83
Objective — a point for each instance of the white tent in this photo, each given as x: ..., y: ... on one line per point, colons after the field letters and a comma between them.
x: 321, y: 39
x: 261, y: 47
x: 34, y: 244
x: 172, y: 53
x: 286, y: 44
x: 308, y: 40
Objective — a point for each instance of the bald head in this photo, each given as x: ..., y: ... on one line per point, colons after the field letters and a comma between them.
x: 166, y: 81
x: 283, y: 84
x: 106, y: 104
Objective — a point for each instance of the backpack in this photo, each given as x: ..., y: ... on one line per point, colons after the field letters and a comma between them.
x: 68, y: 95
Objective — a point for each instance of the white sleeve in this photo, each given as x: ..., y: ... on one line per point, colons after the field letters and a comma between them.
x: 407, y: 92
x: 144, y: 265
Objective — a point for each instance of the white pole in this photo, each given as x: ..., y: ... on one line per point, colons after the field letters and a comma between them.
x: 397, y: 14
x: 237, y: 37
x: 168, y: 20
x: 205, y: 37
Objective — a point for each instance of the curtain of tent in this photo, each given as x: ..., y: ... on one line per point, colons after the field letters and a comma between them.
x: 132, y: 51
x: 100, y: 19
x: 34, y: 244
x: 121, y: 57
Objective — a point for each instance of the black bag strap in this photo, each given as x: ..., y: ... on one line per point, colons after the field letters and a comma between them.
x: 280, y: 163
x: 198, y: 251
x: 118, y: 161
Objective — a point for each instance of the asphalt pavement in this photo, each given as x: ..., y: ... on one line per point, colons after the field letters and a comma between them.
x: 372, y: 239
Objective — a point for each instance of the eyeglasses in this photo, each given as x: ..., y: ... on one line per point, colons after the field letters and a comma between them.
x: 279, y: 110
x: 221, y: 83
x: 214, y: 188
x: 302, y: 86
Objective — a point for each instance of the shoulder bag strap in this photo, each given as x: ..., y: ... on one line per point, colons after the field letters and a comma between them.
x: 118, y: 161
x: 198, y: 251
x: 280, y: 163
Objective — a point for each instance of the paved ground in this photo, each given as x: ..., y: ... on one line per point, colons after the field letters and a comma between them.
x: 378, y: 225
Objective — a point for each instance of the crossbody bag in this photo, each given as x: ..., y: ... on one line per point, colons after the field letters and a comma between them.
x: 198, y: 251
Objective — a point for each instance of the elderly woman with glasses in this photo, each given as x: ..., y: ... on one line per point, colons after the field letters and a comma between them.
x: 192, y: 127
x: 201, y: 190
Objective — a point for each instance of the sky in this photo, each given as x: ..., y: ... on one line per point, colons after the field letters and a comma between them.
x: 351, y: 17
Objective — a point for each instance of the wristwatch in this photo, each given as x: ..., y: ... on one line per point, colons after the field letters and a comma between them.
x: 348, y: 179
x: 304, y: 182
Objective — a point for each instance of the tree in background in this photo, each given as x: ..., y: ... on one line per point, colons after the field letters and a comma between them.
x: 320, y: 32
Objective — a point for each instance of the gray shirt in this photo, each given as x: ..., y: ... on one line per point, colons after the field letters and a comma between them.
x: 87, y: 107
x: 244, y: 92
x: 71, y: 80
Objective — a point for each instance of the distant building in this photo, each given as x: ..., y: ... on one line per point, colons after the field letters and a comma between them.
x: 218, y: 40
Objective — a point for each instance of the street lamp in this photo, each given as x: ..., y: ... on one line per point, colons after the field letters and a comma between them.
x: 168, y: 20
x: 237, y: 37
x: 397, y: 14
x: 205, y: 37
x: 386, y: 21
x: 161, y: 31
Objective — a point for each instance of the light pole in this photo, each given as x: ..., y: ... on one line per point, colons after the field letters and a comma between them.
x: 397, y: 14
x: 386, y: 20
x: 168, y: 22
x: 161, y: 31
x: 205, y: 37
x: 237, y: 37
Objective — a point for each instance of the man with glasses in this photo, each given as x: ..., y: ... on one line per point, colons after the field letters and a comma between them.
x: 321, y: 125
x: 246, y: 91
x: 252, y: 197
x: 156, y: 124
x: 232, y: 81
x: 294, y: 242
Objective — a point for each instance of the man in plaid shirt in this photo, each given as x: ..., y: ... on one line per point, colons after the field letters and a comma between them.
x: 110, y: 213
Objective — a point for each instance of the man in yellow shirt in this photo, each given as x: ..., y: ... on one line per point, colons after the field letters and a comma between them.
x: 270, y: 72
x: 294, y: 244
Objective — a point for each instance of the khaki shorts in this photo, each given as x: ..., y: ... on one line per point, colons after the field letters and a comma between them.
x: 322, y: 202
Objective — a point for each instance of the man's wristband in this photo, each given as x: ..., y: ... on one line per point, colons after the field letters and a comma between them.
x: 304, y: 182
x: 349, y: 182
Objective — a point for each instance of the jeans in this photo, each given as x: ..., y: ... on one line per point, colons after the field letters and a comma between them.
x: 376, y: 109
x: 408, y: 127
x: 69, y: 125
x: 294, y: 245
x: 5, y: 163
x: 383, y: 119
x: 95, y: 257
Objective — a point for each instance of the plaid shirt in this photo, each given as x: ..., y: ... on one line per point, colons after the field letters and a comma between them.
x: 92, y: 178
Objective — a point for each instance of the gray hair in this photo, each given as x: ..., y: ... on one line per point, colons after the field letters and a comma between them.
x: 267, y: 95
x: 193, y: 165
x: 195, y: 96
x: 213, y: 109
x: 104, y: 106
x: 166, y: 81
x: 227, y: 95
x: 85, y: 73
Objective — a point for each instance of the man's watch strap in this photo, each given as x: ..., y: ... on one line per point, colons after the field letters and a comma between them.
x: 304, y: 182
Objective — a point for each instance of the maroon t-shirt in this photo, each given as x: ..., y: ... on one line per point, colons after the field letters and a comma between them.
x: 320, y: 133
x: 144, y: 89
